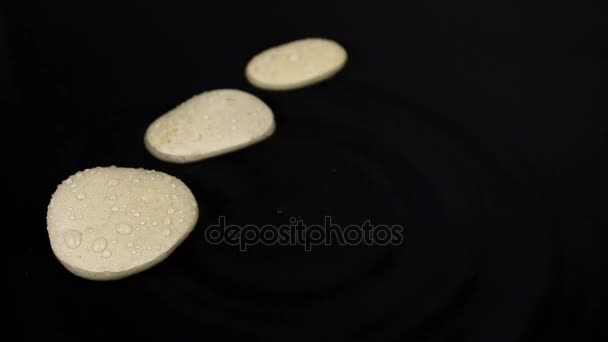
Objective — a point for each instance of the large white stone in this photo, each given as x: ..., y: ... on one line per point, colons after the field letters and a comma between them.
x: 209, y: 124
x: 108, y: 223
x: 296, y: 64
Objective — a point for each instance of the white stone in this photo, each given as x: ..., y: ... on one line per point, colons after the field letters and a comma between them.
x: 94, y: 237
x: 209, y: 124
x: 296, y: 64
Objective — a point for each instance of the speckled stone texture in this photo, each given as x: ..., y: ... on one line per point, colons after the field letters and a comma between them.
x: 108, y: 223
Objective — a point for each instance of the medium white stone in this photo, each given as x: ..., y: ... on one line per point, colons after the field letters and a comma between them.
x: 209, y: 124
x: 109, y: 233
x: 296, y: 64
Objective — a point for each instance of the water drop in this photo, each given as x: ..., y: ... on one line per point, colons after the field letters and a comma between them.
x: 81, y: 196
x: 99, y: 245
x: 129, y: 244
x: 166, y: 232
x: 72, y: 238
x: 173, y: 185
x: 106, y: 254
x: 124, y: 228
x: 69, y: 181
x: 142, y: 223
x: 170, y: 211
x: 114, y: 209
x: 136, y: 214
x: 167, y: 221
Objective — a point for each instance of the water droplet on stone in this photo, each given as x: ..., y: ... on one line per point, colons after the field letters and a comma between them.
x: 173, y: 185
x: 106, y: 254
x: 129, y: 244
x: 170, y: 211
x: 167, y: 221
x: 99, y: 245
x: 72, y: 238
x: 166, y: 232
x: 136, y: 214
x: 81, y: 196
x: 124, y: 228
x: 114, y: 209
x: 113, y: 182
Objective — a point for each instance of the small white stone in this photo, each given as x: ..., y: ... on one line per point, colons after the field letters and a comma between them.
x: 88, y: 255
x: 296, y: 64
x: 201, y: 127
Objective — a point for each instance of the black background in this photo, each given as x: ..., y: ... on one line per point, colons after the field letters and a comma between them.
x: 480, y: 126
